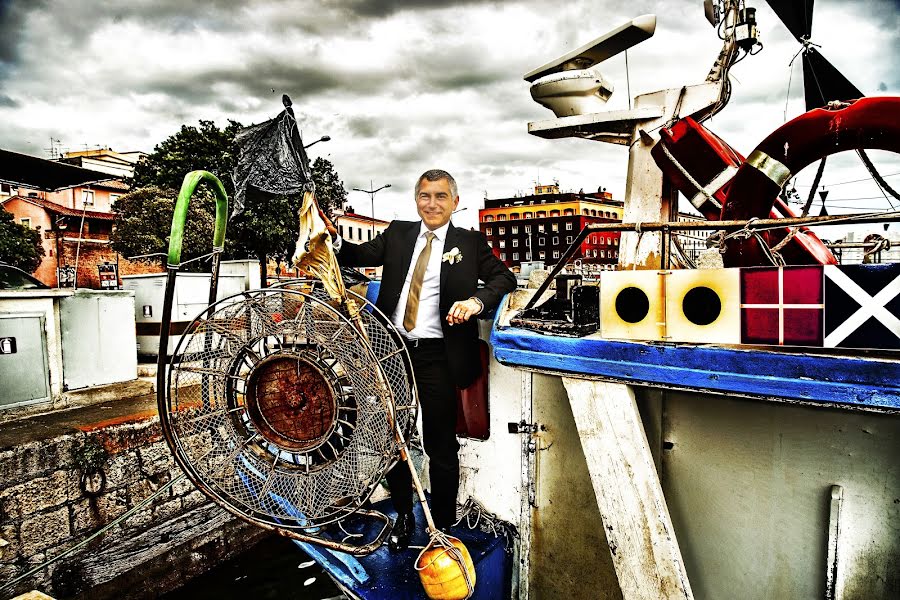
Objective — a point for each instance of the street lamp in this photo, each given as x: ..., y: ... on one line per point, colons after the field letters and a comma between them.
x: 371, y: 191
x: 324, y: 138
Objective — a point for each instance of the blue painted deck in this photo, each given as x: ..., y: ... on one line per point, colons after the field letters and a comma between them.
x: 849, y: 379
x: 384, y: 575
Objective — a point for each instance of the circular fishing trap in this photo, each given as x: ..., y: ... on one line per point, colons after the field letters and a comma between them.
x: 282, y: 407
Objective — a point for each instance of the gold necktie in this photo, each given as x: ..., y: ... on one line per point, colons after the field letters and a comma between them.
x: 415, y: 286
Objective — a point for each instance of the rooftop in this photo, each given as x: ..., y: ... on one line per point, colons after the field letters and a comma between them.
x: 45, y: 175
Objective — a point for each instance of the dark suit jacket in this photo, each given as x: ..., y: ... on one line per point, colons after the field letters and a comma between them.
x: 394, y: 248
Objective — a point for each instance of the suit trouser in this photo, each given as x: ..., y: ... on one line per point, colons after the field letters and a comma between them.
x: 437, y: 401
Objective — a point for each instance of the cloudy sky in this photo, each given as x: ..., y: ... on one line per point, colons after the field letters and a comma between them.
x: 406, y: 85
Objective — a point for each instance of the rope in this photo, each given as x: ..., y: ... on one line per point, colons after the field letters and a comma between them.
x: 475, y: 516
x: 95, y: 535
x: 687, y: 175
x: 440, y: 539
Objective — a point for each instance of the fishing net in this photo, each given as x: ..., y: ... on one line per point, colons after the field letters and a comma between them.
x: 283, y: 408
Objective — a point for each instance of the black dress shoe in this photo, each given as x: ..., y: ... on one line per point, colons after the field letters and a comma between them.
x: 402, y: 532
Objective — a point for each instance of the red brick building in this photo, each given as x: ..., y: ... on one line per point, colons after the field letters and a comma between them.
x: 542, y: 226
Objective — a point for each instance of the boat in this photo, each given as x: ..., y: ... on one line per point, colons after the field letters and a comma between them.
x: 728, y: 432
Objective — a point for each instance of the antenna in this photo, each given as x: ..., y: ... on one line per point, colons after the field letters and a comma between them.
x: 571, y: 86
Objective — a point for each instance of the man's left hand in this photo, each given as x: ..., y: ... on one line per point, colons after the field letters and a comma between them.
x: 463, y: 310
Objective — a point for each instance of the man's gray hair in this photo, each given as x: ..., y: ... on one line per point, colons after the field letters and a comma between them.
x: 437, y: 175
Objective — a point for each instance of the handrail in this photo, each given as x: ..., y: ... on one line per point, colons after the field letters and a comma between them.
x: 188, y: 186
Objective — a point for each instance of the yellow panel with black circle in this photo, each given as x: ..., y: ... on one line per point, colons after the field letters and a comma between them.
x: 703, y: 306
x: 632, y: 305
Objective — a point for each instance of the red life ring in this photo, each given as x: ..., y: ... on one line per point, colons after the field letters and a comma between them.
x: 865, y: 123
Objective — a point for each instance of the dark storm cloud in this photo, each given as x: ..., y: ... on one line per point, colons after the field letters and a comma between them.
x: 386, y: 8
x: 12, y: 19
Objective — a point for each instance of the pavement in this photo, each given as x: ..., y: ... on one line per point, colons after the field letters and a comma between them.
x: 96, y: 408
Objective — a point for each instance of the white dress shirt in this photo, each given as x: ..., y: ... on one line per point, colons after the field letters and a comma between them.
x: 428, y: 321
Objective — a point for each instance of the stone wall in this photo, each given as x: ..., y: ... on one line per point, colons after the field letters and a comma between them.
x: 55, y: 493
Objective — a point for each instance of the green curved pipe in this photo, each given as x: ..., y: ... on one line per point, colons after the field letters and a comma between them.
x: 190, y: 183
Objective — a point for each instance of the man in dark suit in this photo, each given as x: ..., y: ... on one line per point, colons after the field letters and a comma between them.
x: 429, y: 289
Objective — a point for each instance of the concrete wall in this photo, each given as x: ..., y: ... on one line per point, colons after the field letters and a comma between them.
x: 44, y: 510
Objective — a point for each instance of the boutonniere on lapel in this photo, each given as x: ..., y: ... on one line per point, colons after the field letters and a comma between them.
x: 452, y: 257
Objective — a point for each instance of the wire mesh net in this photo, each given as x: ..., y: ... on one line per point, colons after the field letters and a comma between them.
x: 283, y: 407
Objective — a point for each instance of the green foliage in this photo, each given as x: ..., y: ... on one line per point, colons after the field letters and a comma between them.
x: 205, y: 147
x: 144, y: 221
x: 330, y: 192
x: 20, y: 246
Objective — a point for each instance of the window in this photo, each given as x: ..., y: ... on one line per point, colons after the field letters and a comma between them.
x: 554, y: 226
x: 556, y: 254
x: 541, y: 213
x: 503, y: 243
x: 513, y: 216
x: 368, y: 234
x: 490, y: 244
x: 25, y: 222
x: 359, y: 231
x: 603, y: 254
x: 609, y: 241
x: 541, y: 241
x: 542, y: 255
x: 540, y: 229
x: 528, y: 215
x: 87, y: 197
x: 586, y: 212
x: 569, y: 226
x: 113, y: 198
x: 489, y: 230
x: 515, y: 256
x: 515, y: 229
x: 503, y: 256
x: 488, y: 218
x: 515, y: 243
x: 568, y: 239
x: 556, y: 240
x: 593, y: 213
x: 617, y: 254
x: 616, y: 241
x: 528, y: 229
x: 341, y: 230
x: 5, y: 189
x: 501, y: 217
x: 568, y: 212
x: 349, y: 233
x: 501, y: 230
x: 602, y: 239
x: 595, y: 253
x: 554, y: 213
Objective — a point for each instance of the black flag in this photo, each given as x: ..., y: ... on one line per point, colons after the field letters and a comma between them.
x: 271, y: 159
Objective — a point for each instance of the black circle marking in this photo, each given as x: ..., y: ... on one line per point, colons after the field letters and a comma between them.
x: 632, y: 305
x: 701, y: 306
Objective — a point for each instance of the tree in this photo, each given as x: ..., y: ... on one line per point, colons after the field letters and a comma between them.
x: 206, y: 147
x: 330, y: 191
x: 144, y: 221
x: 20, y: 246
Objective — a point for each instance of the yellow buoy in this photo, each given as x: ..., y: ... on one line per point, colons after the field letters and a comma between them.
x: 441, y: 570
